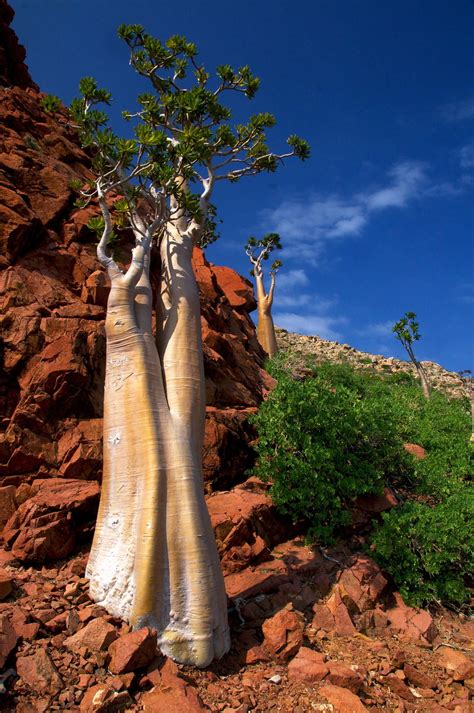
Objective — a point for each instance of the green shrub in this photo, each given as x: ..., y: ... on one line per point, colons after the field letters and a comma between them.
x: 326, y: 440
x: 339, y: 434
x: 429, y: 550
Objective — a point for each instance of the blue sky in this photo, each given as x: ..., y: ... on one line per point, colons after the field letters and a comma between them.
x: 380, y: 220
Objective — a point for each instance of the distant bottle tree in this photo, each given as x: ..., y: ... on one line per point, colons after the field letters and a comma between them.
x: 406, y: 331
x: 258, y: 251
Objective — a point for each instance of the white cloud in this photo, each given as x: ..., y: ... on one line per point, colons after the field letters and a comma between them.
x: 306, y: 225
x: 379, y: 329
x: 466, y: 156
x: 313, y: 324
x: 407, y: 179
x: 458, y: 111
x: 288, y: 280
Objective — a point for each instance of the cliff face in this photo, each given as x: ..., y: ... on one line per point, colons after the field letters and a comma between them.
x: 13, y: 71
x: 53, y: 299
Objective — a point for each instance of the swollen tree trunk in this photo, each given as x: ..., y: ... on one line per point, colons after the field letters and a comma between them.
x: 154, y: 560
x: 265, y: 327
x: 424, y: 381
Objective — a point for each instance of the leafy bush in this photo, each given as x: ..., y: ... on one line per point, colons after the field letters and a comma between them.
x: 429, y: 550
x: 326, y: 440
x: 338, y: 434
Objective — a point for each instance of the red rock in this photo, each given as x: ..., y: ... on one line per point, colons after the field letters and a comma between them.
x: 342, y: 675
x: 410, y: 623
x: 307, y: 667
x: 39, y: 672
x: 172, y: 700
x: 8, y: 503
x: 373, y: 504
x: 418, y: 678
x: 400, y: 688
x: 283, y: 633
x: 6, y: 584
x: 96, y: 289
x: 417, y: 451
x: 102, y: 698
x: 457, y: 664
x: 13, y: 70
x: 8, y: 639
x: 227, y: 448
x: 343, y: 700
x: 361, y: 585
x: 333, y: 616
x: 237, y: 289
x: 23, y: 629
x: 80, y: 450
x: 255, y: 654
x: 45, y: 526
x: 97, y: 635
x: 133, y: 650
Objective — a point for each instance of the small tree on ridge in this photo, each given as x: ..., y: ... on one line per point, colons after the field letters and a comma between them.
x: 406, y: 331
x: 258, y: 251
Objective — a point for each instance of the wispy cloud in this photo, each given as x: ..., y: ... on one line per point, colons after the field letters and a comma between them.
x: 314, y: 324
x: 466, y: 156
x: 459, y: 110
x: 306, y: 225
x: 379, y: 329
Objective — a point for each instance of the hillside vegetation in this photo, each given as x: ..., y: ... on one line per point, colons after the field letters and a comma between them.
x: 331, y: 433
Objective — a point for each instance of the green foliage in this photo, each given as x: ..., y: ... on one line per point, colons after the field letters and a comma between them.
x: 50, y: 103
x: 338, y: 434
x: 259, y: 250
x: 181, y: 129
x: 406, y: 329
x: 324, y: 441
x: 429, y: 550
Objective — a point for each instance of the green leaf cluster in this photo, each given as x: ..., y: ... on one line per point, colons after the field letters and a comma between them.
x: 50, y: 103
x: 429, y: 551
x: 407, y: 329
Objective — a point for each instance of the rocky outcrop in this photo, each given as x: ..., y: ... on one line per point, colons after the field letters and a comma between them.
x: 13, y: 70
x: 301, y: 347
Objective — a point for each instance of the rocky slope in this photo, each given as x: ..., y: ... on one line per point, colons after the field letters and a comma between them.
x: 301, y: 347
x: 312, y: 629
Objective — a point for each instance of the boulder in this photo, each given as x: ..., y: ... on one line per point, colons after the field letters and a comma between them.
x: 457, y: 664
x: 410, y: 623
x: 361, y: 584
x: 8, y: 503
x: 173, y: 694
x: 307, y: 667
x: 342, y: 700
x: 8, y: 639
x: 283, y: 633
x: 133, y: 650
x: 39, y: 672
x: 97, y: 635
x: 48, y: 524
x: 333, y: 616
x: 340, y: 674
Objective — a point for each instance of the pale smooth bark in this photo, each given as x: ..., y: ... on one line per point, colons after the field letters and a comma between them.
x: 154, y: 559
x: 265, y: 327
x: 425, y: 387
